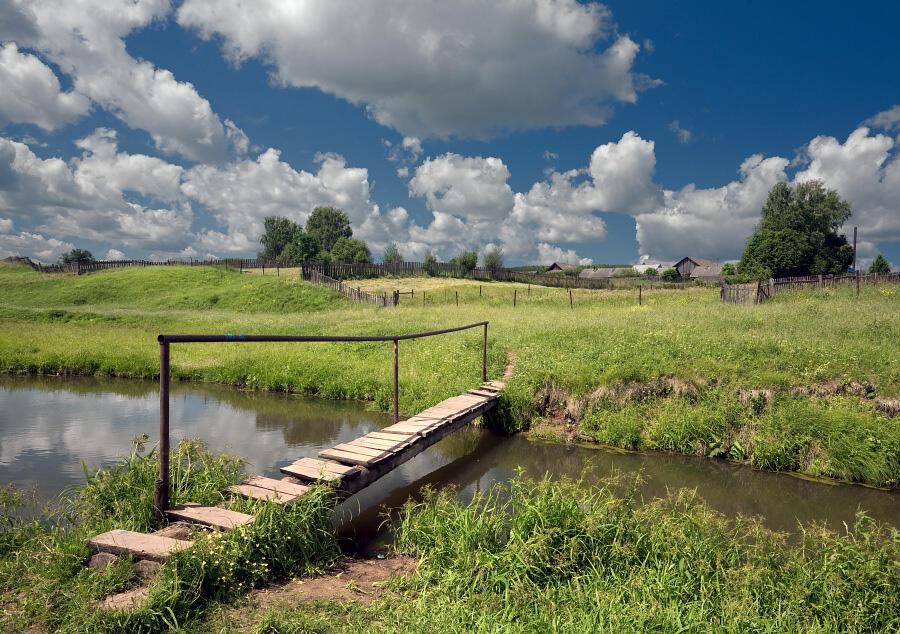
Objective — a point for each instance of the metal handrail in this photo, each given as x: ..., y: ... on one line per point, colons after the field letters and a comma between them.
x: 161, y: 492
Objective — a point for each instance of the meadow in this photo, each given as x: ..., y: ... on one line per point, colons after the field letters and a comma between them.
x: 803, y: 383
x: 790, y: 385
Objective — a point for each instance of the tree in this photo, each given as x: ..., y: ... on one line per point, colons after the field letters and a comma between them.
x: 278, y: 232
x: 650, y: 272
x: 728, y: 269
x: 465, y: 262
x: 392, y: 254
x: 493, y: 260
x: 880, y: 265
x: 797, y: 233
x: 328, y: 225
x: 302, y: 248
x: 350, y: 250
x: 670, y: 275
x: 431, y: 264
x: 79, y: 256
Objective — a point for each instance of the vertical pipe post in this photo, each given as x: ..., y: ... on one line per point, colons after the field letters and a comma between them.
x: 571, y: 303
x: 484, y: 355
x: 457, y: 297
x: 479, y: 290
x: 161, y: 493
x: 396, y: 381
x: 514, y: 298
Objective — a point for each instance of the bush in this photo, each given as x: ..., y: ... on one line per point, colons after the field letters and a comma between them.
x: 493, y: 260
x: 431, y: 264
x: 671, y: 275
x: 465, y: 262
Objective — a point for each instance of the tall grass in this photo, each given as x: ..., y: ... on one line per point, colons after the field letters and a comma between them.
x: 44, y: 582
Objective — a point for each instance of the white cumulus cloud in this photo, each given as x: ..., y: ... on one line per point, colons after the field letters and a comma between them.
x: 436, y: 68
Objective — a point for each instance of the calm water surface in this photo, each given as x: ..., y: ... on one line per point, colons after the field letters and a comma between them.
x: 48, y: 426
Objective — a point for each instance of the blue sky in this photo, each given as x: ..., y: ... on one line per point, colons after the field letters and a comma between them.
x: 665, y: 123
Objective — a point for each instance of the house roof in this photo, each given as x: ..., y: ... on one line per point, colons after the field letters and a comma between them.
x: 601, y: 273
x: 564, y: 266
x: 712, y: 270
x: 696, y: 260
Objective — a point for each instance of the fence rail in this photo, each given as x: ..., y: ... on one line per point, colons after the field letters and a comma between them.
x: 355, y: 294
x: 759, y: 292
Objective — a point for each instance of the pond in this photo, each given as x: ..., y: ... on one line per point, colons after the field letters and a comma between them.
x: 49, y: 425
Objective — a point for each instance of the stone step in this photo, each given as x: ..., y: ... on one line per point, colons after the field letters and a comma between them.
x: 212, y: 516
x: 138, y: 545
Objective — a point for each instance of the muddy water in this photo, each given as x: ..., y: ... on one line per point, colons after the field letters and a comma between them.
x: 48, y: 426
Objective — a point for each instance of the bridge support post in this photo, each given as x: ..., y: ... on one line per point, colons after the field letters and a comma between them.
x: 396, y: 381
x: 484, y: 355
x: 161, y: 492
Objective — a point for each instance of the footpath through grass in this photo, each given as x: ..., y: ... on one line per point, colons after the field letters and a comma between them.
x: 791, y: 385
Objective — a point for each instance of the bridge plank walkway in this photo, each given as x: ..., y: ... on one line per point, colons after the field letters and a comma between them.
x: 348, y: 467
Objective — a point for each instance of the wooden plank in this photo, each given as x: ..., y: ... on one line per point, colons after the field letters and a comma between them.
x: 482, y: 393
x: 258, y: 493
x: 333, y: 467
x: 384, y: 436
x: 139, y: 545
x: 309, y: 474
x: 402, y: 429
x: 277, y: 485
x: 364, y: 451
x: 349, y: 457
x: 378, y: 443
x: 213, y: 516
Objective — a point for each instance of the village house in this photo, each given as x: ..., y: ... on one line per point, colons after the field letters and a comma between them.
x: 694, y: 268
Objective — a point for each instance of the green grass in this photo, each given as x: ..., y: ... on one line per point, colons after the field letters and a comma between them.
x: 44, y: 581
x: 106, y: 324
x: 556, y: 556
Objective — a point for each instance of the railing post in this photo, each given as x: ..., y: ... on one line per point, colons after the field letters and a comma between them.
x: 396, y: 381
x: 484, y: 355
x: 161, y: 497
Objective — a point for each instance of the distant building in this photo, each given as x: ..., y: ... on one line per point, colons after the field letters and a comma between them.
x: 604, y: 272
x: 695, y: 268
x: 659, y: 267
x: 561, y: 266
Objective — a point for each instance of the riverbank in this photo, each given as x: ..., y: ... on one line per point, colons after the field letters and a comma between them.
x: 761, y: 384
x: 537, y: 555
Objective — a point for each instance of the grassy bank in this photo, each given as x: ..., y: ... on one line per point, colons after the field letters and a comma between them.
x: 793, y: 384
x: 553, y: 557
x: 44, y: 582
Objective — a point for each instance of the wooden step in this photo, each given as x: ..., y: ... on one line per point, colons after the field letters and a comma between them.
x: 312, y: 470
x: 403, y: 437
x: 379, y: 443
x: 258, y: 493
x: 212, y: 516
x: 483, y: 393
x: 139, y: 545
x: 352, y: 457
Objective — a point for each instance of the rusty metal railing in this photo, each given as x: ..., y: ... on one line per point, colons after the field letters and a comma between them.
x: 161, y: 492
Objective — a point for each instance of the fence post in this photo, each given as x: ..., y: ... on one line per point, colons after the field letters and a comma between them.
x: 571, y: 304
x: 457, y: 297
x: 514, y: 298
x: 396, y: 297
x: 396, y: 381
x: 640, y: 293
x: 161, y: 493
x: 484, y: 354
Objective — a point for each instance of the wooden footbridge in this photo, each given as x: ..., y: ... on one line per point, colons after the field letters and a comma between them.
x: 347, y: 467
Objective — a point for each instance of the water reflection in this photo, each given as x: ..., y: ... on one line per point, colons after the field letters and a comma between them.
x: 47, y: 426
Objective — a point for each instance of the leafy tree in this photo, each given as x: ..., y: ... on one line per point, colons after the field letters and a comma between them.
x: 651, y: 272
x: 628, y: 272
x: 797, y: 233
x: 880, y: 265
x: 465, y: 262
x: 431, y: 264
x: 350, y: 250
x: 392, y: 254
x: 670, y: 275
x: 328, y: 225
x: 493, y: 260
x: 278, y: 232
x: 728, y: 269
x: 302, y: 248
x: 79, y: 256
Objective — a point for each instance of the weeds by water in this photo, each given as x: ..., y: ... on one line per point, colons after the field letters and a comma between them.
x: 44, y: 581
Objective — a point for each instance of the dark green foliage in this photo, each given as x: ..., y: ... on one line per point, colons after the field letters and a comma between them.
x: 465, y: 262
x: 392, y: 254
x: 797, y: 233
x: 77, y: 256
x: 431, y: 264
x: 328, y: 225
x: 729, y: 269
x: 493, y: 260
x: 880, y: 265
x: 651, y: 272
x: 350, y: 250
x: 303, y: 247
x: 670, y: 275
x: 278, y: 233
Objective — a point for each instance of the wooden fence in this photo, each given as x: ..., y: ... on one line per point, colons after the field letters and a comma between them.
x: 355, y: 294
x: 759, y: 292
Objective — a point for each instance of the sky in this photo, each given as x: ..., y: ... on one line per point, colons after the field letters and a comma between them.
x: 557, y: 130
